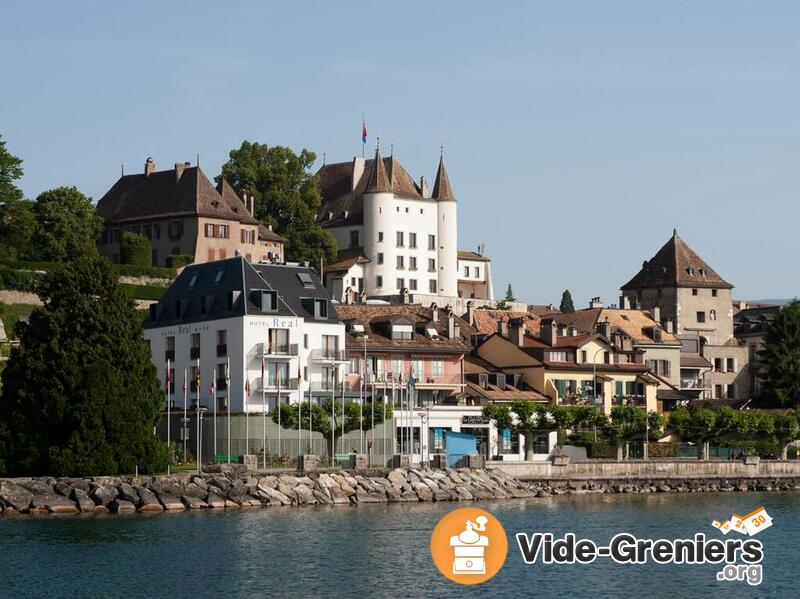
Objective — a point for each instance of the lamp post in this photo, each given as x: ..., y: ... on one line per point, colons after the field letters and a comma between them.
x: 594, y: 372
x: 200, y: 411
x: 424, y: 418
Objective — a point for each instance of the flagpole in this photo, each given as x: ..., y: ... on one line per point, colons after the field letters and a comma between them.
x: 278, y: 408
x: 372, y: 428
x: 384, y: 419
x: 361, y: 402
x: 214, y: 399
x: 184, y: 427
x: 394, y: 428
x: 263, y: 412
x: 299, y: 410
x: 198, y: 382
x: 342, y: 437
x: 169, y: 431
x: 228, y: 403
x: 246, y: 406
x: 333, y: 417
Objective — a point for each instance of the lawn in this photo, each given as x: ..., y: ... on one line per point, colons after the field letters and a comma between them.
x: 11, y: 313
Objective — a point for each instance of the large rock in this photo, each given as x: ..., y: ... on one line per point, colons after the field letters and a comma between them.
x: 215, y: 501
x: 305, y: 496
x: 397, y: 477
x: 170, y: 501
x: 128, y: 493
x: 275, y: 496
x: 364, y: 497
x: 103, y: 495
x: 120, y: 506
x: 193, y: 503
x: 148, y: 502
x: 63, y: 488
x: 338, y: 496
x: 82, y: 500
x: 15, y: 496
x: 54, y: 503
x: 464, y: 494
x: 322, y: 497
x: 37, y: 486
x: 423, y: 491
x: 195, y: 490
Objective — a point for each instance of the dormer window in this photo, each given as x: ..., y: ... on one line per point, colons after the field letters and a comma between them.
x: 320, y: 308
x: 431, y: 332
x: 306, y: 280
x: 265, y: 299
x: 218, y: 276
x: 357, y: 328
x: 193, y: 280
x: 402, y: 332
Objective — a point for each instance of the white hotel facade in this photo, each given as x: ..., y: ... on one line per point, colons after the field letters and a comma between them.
x: 234, y: 314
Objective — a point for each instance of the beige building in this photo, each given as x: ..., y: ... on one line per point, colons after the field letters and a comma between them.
x: 180, y: 212
x: 696, y: 302
x: 574, y: 369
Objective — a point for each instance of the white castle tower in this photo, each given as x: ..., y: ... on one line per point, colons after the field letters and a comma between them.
x: 379, y: 230
x: 447, y: 226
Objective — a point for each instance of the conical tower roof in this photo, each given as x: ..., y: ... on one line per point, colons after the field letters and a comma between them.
x: 676, y: 265
x: 442, y: 190
x: 378, y: 180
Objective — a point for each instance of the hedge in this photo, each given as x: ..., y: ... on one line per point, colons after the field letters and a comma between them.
x: 128, y: 270
x: 179, y: 260
x: 143, y: 292
x: 19, y: 280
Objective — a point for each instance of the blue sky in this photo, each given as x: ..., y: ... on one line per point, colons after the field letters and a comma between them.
x: 577, y: 134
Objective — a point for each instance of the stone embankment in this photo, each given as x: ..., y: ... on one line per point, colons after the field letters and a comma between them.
x: 231, y: 487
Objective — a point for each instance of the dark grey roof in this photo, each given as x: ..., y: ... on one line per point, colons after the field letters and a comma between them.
x: 224, y: 289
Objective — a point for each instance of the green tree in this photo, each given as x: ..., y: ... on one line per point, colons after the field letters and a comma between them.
x: 509, y: 294
x: 66, y: 225
x: 80, y: 394
x: 566, y: 305
x: 787, y: 429
x: 328, y: 416
x: 701, y: 424
x: 135, y: 249
x: 287, y: 195
x: 781, y: 358
x: 16, y: 214
x: 631, y: 423
x: 531, y: 419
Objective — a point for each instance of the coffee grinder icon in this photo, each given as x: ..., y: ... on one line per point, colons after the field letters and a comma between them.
x: 469, y: 548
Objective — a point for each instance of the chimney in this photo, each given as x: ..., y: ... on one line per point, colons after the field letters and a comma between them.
x: 482, y: 249
x: 149, y: 166
x: 423, y: 185
x: 604, y: 329
x: 471, y: 313
x: 434, y: 312
x: 516, y: 327
x: 451, y: 324
x: 655, y: 314
x: 668, y: 327
x: 624, y: 302
x: 358, y: 170
x: 179, y: 168
x: 548, y: 331
x: 502, y: 328
x: 595, y: 303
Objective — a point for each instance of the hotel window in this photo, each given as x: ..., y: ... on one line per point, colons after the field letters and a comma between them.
x: 354, y: 239
x: 169, y: 354
x: 279, y: 341
x: 172, y: 381
x: 277, y: 373
x: 412, y: 284
x: 412, y: 263
x: 379, y: 281
x: 194, y: 352
x: 401, y: 283
x: 400, y: 262
x: 466, y: 271
x: 305, y: 341
x: 437, y: 368
x: 400, y: 239
x: 701, y: 317
x: 222, y: 382
x: 418, y: 369
x: 432, y: 285
x: 193, y: 379
x: 380, y: 257
x: 223, y: 253
x: 431, y: 242
x: 380, y: 236
x: 376, y: 367
x: 354, y: 366
x: 431, y: 265
x: 477, y: 272
x: 412, y: 240
x: 222, y: 343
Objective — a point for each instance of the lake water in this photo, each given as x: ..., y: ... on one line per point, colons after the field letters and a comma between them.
x: 378, y: 550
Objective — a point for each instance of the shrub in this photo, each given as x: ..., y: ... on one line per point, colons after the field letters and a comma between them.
x: 135, y: 249
x: 20, y: 280
x: 156, y: 272
x: 143, y: 292
x: 662, y: 450
x: 179, y: 260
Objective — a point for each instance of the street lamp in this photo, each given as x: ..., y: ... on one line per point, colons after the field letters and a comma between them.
x: 424, y: 417
x: 594, y: 372
x: 200, y: 411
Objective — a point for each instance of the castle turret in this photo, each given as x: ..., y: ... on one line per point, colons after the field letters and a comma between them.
x: 378, y: 199
x: 447, y: 242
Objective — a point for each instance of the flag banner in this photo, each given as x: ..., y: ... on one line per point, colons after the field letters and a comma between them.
x: 363, y: 131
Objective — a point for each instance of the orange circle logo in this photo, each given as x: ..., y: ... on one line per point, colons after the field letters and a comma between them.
x: 469, y: 545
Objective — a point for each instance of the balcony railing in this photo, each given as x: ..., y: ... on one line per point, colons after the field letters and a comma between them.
x: 279, y: 350
x: 329, y: 355
x: 629, y: 400
x: 443, y: 379
x: 699, y: 384
x: 271, y: 385
x: 580, y: 399
x: 325, y: 386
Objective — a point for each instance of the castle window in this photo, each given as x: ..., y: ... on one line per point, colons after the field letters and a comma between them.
x: 713, y: 293
x: 412, y: 240
x: 380, y: 236
x: 431, y: 242
x: 694, y: 291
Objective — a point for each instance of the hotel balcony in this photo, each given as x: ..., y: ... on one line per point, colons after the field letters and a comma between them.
x: 326, y: 387
x: 271, y: 385
x: 447, y: 381
x: 696, y: 384
x: 278, y: 352
x: 629, y: 400
x: 329, y: 356
x: 581, y: 399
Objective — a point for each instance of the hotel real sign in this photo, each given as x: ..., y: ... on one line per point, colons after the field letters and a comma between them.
x: 276, y: 322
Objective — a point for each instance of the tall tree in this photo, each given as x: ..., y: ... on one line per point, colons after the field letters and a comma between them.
x: 287, y: 195
x: 510, y: 294
x: 631, y: 423
x: 66, y: 224
x: 136, y: 249
x: 781, y: 358
x: 328, y: 417
x: 80, y: 394
x: 701, y: 424
x: 16, y: 214
x: 566, y: 302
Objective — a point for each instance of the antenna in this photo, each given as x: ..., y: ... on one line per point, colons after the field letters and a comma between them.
x: 198, y: 161
x: 122, y: 169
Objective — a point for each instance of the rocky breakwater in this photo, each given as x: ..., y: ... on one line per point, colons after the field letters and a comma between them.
x: 232, y: 488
